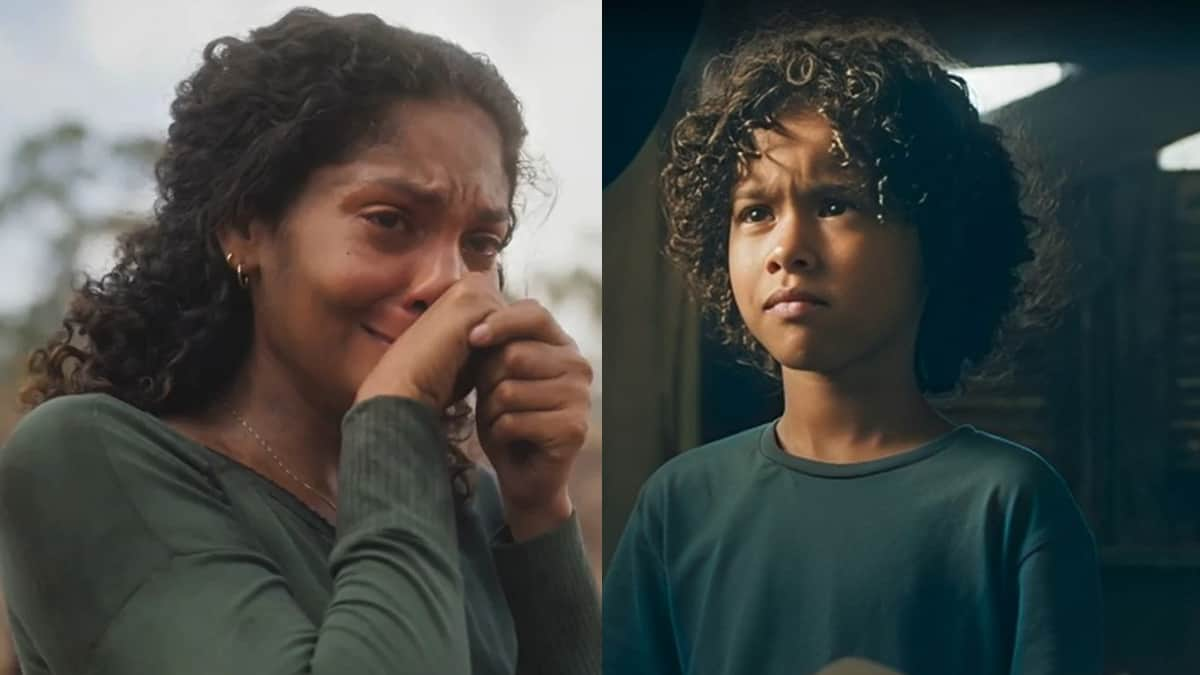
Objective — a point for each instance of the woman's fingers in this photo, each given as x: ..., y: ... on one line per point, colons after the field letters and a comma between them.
x: 529, y: 360
x: 553, y: 436
x: 522, y: 320
x: 512, y: 396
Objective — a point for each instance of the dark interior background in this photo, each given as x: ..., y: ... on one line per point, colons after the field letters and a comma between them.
x: 1111, y: 397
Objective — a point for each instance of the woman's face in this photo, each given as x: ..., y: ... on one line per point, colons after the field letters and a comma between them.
x: 370, y: 243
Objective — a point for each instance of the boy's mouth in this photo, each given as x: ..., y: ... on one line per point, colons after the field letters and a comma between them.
x: 792, y: 295
x: 792, y: 303
x: 792, y: 310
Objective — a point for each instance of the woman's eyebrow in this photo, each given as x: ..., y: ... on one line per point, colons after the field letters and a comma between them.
x: 430, y: 197
x: 490, y: 216
x: 403, y: 186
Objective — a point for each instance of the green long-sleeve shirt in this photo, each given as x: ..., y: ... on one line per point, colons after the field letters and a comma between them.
x: 128, y: 549
x: 966, y: 555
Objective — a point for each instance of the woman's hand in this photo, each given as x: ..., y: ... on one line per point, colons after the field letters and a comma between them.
x: 429, y: 361
x: 532, y: 409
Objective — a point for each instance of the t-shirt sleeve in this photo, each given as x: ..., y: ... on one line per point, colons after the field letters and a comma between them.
x: 638, y: 630
x: 1059, y: 626
x: 119, y: 557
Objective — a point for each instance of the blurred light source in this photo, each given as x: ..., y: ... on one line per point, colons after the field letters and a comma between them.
x: 1182, y: 155
x: 992, y: 87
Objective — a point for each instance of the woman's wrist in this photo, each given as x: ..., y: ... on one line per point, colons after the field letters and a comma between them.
x: 526, y: 523
x: 399, y: 392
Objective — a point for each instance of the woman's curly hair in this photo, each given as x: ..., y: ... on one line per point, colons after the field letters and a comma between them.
x: 166, y: 329
x: 907, y: 127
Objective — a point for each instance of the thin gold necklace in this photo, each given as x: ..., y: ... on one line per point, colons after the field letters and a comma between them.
x: 278, y: 460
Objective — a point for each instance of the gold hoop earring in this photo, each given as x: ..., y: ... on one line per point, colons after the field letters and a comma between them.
x: 243, y: 279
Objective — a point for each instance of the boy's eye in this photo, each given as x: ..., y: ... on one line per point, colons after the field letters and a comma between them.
x: 754, y: 214
x: 831, y: 208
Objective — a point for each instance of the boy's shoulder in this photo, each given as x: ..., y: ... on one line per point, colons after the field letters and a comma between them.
x: 1001, y: 462
x: 1032, y: 496
x: 713, y: 466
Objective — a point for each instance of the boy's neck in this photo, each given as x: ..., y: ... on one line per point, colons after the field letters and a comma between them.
x: 861, y: 413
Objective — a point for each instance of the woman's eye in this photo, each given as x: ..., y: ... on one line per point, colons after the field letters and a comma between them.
x: 754, y: 214
x: 390, y: 219
x: 831, y: 208
x: 485, y: 245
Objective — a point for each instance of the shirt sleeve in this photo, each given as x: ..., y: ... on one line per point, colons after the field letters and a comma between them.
x: 553, y: 600
x: 1059, y: 624
x: 120, y: 557
x: 638, y: 629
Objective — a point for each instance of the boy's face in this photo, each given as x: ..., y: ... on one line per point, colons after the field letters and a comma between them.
x: 820, y: 282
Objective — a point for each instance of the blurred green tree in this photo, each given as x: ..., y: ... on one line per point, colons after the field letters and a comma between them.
x: 67, y: 188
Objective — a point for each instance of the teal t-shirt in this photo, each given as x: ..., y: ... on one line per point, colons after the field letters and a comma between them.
x: 964, y: 555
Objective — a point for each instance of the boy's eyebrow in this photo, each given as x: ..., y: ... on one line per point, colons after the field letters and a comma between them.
x: 849, y: 184
x: 825, y: 173
x: 831, y: 172
x: 752, y: 189
x: 749, y: 189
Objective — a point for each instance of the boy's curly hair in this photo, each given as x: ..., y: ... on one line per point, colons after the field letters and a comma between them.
x: 905, y: 124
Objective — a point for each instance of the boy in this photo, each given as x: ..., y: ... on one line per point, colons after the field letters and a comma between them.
x: 836, y: 202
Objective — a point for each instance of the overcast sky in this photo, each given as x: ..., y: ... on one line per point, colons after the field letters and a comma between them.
x: 113, y: 64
